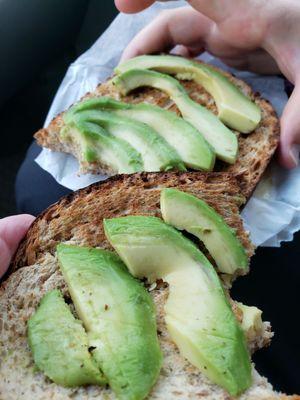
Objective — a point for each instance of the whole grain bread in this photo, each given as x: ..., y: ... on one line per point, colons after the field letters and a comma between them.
x: 255, y: 149
x: 77, y: 219
x: 19, y: 297
x: 79, y: 215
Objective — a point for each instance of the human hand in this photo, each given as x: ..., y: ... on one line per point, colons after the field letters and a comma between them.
x: 245, y: 34
x: 12, y: 231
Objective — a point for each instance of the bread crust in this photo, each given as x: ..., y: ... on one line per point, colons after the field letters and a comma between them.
x: 255, y: 149
x: 80, y: 214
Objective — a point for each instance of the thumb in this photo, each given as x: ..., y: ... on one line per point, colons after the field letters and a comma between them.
x: 290, y: 130
x: 214, y: 9
x: 132, y: 6
x: 12, y: 231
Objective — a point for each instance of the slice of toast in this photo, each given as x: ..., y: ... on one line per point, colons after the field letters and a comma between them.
x: 19, y: 297
x: 255, y: 149
x: 80, y: 215
x: 77, y: 219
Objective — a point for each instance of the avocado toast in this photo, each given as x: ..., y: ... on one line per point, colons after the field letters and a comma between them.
x: 130, y: 279
x: 246, y: 158
x: 77, y: 220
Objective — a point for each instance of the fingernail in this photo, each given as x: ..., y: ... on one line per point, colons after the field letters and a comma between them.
x: 294, y: 153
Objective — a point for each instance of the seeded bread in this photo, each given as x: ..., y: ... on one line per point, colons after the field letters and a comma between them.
x: 255, y: 149
x: 19, y: 297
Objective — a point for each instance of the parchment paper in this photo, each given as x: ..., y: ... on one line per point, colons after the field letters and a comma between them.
x: 272, y: 214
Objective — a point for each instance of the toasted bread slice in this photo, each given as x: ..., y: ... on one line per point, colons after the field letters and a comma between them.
x: 80, y: 215
x: 255, y: 149
x: 77, y: 219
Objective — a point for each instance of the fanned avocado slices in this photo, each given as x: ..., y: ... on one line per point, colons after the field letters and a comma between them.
x: 189, y: 213
x: 223, y: 140
x: 156, y: 153
x: 95, y: 144
x: 190, y: 145
x: 234, y: 108
x: 59, y: 344
x: 198, y: 315
x: 119, y: 317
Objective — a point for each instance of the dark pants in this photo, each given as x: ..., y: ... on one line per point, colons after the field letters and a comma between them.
x: 273, y: 284
x: 35, y: 188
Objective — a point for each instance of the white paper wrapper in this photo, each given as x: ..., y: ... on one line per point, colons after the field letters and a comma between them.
x: 272, y: 214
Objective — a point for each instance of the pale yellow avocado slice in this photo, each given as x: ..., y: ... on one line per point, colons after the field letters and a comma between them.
x: 223, y: 140
x: 234, y: 108
x: 189, y: 213
x: 197, y: 313
x: 251, y: 323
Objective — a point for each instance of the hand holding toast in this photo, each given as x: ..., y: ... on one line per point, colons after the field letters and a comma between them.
x: 12, y: 231
x: 252, y: 35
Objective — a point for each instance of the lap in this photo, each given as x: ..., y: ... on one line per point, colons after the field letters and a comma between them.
x: 35, y: 188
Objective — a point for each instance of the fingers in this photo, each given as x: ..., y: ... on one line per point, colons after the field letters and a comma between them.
x: 183, y: 26
x: 216, y: 10
x: 12, y: 230
x: 258, y: 61
x: 185, y: 51
x: 181, y: 50
x: 132, y: 6
x: 290, y: 131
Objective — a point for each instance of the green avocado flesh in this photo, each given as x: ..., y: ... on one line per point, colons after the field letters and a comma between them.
x: 156, y: 153
x: 193, y: 149
x: 197, y: 313
x: 96, y: 144
x: 234, y: 108
x: 59, y: 344
x: 223, y: 141
x: 187, y: 212
x: 119, y: 317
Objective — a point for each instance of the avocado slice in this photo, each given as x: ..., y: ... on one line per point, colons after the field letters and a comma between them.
x: 119, y: 317
x: 156, y: 153
x: 223, y: 141
x: 198, y: 315
x: 189, y: 213
x: 95, y: 144
x: 234, y: 108
x: 193, y: 149
x: 252, y: 323
x: 60, y: 345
